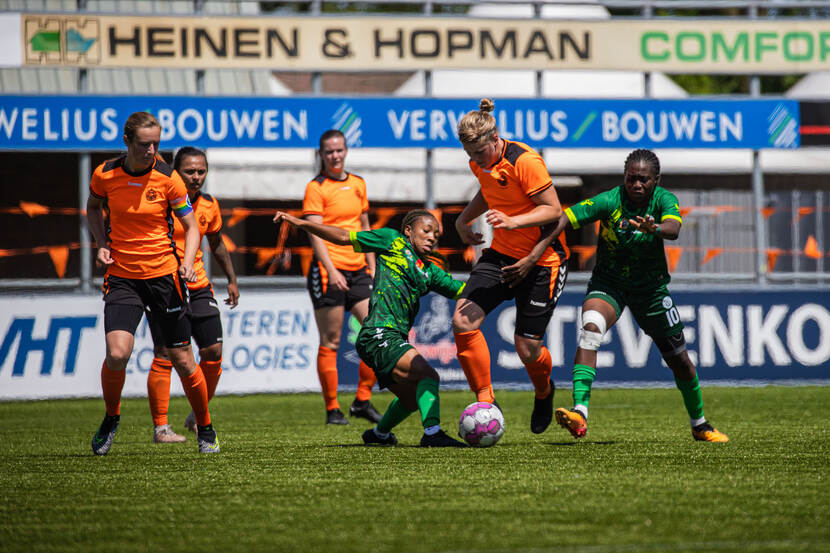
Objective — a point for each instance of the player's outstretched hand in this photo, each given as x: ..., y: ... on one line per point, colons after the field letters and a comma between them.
x: 283, y: 216
x: 465, y: 232
x: 188, y: 273
x: 512, y: 275
x: 500, y: 220
x: 233, y: 295
x: 644, y: 224
x: 105, y: 257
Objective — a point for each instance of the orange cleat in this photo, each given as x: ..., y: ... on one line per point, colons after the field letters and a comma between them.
x: 572, y: 421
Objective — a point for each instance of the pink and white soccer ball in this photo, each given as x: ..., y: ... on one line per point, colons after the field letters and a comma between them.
x: 481, y: 424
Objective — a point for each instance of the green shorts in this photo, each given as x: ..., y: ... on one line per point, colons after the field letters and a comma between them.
x: 654, y: 310
x: 381, y: 349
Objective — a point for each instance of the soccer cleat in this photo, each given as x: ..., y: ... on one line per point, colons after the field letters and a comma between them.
x: 164, y: 435
x: 206, y: 437
x: 190, y: 422
x: 440, y: 439
x: 370, y: 438
x: 706, y: 433
x: 542, y: 411
x: 336, y: 416
x: 365, y: 410
x: 102, y: 441
x: 572, y: 421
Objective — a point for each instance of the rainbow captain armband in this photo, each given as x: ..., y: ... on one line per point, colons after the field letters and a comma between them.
x: 181, y: 206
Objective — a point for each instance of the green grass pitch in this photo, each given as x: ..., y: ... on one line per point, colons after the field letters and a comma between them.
x: 285, y: 482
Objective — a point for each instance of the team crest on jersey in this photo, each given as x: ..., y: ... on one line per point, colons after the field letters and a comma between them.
x: 202, y: 219
x: 151, y: 195
x: 667, y: 303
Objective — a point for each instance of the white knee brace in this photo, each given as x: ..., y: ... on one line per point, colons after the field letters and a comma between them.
x: 589, y: 339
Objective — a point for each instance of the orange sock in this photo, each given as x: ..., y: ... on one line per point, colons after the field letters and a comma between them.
x: 366, y: 380
x: 196, y: 390
x: 212, y: 371
x: 327, y: 371
x: 474, y: 357
x: 112, y: 382
x: 539, y: 372
x: 158, y: 389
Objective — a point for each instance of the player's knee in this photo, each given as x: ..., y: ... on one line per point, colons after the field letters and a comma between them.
x: 160, y: 352
x: 592, y: 331
x: 211, y: 353
x: 528, y: 350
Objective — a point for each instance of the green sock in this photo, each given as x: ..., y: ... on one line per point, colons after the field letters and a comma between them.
x: 428, y: 402
x: 583, y: 379
x: 394, y: 415
x: 692, y: 397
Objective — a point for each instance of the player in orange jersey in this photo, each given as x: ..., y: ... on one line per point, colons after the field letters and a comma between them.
x: 142, y: 194
x: 339, y: 279
x: 205, y: 321
x: 521, y: 204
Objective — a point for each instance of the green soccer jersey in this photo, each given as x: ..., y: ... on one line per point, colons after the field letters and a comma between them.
x: 401, y: 278
x: 627, y: 258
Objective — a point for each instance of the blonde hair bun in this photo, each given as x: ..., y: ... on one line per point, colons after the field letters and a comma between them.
x: 486, y: 105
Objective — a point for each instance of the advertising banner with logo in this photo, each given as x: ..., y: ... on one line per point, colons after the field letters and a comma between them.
x: 95, y: 123
x: 373, y: 43
x: 731, y: 335
x: 54, y: 347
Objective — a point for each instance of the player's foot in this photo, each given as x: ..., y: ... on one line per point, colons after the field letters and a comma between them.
x: 164, y: 435
x: 102, y: 441
x: 371, y: 438
x: 336, y: 416
x: 572, y: 421
x: 542, y: 411
x: 440, y: 439
x: 706, y: 433
x: 190, y: 422
x: 208, y: 442
x: 365, y: 410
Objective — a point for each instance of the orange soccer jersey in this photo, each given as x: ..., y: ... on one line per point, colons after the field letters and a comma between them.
x: 209, y: 219
x: 140, y: 210
x: 507, y: 186
x: 341, y: 203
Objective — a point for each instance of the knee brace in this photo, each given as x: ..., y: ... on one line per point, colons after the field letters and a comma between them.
x: 589, y: 339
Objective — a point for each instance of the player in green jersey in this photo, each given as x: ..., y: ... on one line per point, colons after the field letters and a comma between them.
x: 631, y: 271
x: 403, y: 274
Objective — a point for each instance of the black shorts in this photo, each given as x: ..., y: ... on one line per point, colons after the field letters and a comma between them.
x: 536, y: 296
x: 205, y: 319
x: 323, y: 295
x: 125, y: 300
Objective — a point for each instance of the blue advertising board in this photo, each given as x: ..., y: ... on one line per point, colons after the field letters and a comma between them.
x: 730, y: 336
x: 89, y: 123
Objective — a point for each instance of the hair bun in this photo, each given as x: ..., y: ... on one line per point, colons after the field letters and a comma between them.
x: 486, y: 105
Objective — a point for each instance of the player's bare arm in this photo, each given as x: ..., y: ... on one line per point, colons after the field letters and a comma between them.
x: 95, y: 218
x: 192, y: 238
x: 335, y: 235
x: 335, y: 277
x: 669, y: 229
x: 514, y: 274
x: 547, y: 210
x: 223, y: 257
x: 474, y: 209
x: 370, y: 257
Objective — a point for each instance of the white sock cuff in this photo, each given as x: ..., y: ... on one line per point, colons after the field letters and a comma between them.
x: 582, y: 410
x: 697, y: 422
x: 430, y: 430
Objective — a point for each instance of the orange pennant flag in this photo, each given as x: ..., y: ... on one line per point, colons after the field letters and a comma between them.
x: 685, y: 211
x: 767, y: 211
x: 383, y: 214
x: 264, y: 255
x: 811, y: 248
x: 584, y: 253
x: 238, y: 214
x: 802, y: 211
x: 437, y: 213
x: 32, y: 209
x: 469, y: 255
x: 673, y: 254
x: 59, y: 255
x: 229, y: 245
x: 772, y: 257
x: 711, y: 254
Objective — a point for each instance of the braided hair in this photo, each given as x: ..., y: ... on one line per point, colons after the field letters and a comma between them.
x: 414, y: 215
x: 646, y: 156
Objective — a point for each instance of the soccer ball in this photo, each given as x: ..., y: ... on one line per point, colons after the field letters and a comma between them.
x: 481, y: 424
